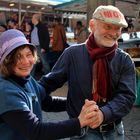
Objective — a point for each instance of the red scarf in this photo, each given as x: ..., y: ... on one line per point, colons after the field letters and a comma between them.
x: 101, y: 74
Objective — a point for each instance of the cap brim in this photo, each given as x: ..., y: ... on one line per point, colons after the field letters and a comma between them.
x: 120, y: 24
x: 16, y: 45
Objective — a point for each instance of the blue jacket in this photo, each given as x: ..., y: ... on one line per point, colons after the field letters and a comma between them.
x: 75, y: 66
x: 21, y: 105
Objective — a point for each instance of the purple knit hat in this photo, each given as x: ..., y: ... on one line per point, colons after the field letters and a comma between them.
x: 9, y: 40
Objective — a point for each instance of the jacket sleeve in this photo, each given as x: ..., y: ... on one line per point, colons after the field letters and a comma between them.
x: 123, y: 92
x: 58, y: 75
x: 54, y: 104
x: 27, y: 124
x: 49, y: 103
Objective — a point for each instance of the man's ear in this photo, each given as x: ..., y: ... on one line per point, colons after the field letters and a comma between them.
x: 91, y: 25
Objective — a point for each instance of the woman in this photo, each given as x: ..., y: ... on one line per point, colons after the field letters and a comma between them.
x: 22, y: 99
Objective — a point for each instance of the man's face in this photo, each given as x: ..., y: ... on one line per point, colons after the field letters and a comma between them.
x: 106, y: 34
x: 33, y: 19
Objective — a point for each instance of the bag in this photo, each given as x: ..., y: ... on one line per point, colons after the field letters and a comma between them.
x: 66, y: 45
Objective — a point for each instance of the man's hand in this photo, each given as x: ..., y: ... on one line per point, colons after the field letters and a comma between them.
x: 88, y: 113
x: 97, y: 119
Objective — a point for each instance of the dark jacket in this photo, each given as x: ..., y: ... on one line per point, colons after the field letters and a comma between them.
x: 75, y: 66
x: 43, y: 34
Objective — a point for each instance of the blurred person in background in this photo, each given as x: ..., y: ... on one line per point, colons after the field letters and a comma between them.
x: 59, y: 37
x: 2, y: 28
x: 58, y: 40
x: 41, y: 39
x: 80, y: 32
x: 27, y: 30
x: 11, y: 24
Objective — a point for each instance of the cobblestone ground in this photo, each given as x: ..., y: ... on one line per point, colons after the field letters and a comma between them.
x: 131, y: 121
x: 132, y: 124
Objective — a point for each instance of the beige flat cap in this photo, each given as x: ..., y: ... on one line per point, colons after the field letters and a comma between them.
x: 110, y: 14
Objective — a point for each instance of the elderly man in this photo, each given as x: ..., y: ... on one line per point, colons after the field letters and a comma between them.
x: 98, y: 70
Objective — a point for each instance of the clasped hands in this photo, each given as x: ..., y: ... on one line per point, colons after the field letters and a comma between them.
x: 90, y: 115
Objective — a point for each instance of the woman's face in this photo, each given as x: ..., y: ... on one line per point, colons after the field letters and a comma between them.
x: 24, y: 63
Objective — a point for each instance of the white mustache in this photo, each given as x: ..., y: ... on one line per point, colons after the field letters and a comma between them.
x: 112, y: 37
